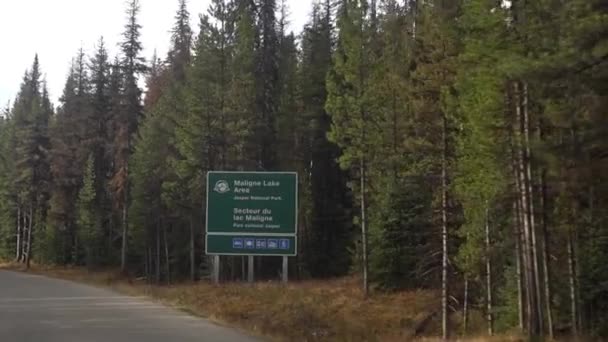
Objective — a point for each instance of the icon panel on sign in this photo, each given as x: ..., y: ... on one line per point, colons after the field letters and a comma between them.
x: 284, y: 244
x: 249, y: 243
x: 237, y: 243
x: 260, y: 244
x: 273, y: 244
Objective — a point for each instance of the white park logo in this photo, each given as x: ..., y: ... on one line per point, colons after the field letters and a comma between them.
x: 222, y: 187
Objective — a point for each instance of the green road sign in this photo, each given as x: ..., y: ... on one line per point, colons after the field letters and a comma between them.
x: 252, y: 213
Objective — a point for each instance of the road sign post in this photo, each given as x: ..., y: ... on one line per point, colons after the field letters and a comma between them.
x: 252, y: 213
x: 285, y: 274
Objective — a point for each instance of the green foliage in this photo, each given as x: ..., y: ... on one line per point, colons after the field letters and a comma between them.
x: 482, y: 143
x: 402, y: 90
x: 7, y: 200
x: 89, y: 223
x: 400, y: 229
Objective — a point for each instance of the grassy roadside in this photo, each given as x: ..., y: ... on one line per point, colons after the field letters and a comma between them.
x: 307, y: 311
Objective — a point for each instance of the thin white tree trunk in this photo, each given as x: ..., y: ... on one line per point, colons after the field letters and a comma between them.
x: 158, y: 252
x: 572, y: 283
x: 28, y: 252
x: 364, y: 229
x: 465, y: 310
x: 19, y: 230
x: 545, y: 241
x: 520, y: 281
x: 545, y: 256
x: 525, y: 215
x: 167, y: 264
x: 531, y: 212
x: 489, y: 316
x: 444, y: 234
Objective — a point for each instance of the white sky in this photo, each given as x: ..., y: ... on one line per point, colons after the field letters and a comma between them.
x: 56, y: 29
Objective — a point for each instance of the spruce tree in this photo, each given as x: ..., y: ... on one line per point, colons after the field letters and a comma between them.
x: 87, y: 216
x: 347, y: 86
x: 126, y: 119
x: 266, y: 84
x: 324, y: 183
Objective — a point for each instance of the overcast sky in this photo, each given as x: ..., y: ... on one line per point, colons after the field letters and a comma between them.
x: 56, y: 29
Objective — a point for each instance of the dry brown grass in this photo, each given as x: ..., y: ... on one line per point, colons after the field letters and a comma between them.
x: 307, y: 311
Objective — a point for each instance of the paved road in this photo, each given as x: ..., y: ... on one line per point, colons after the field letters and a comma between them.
x: 39, y: 309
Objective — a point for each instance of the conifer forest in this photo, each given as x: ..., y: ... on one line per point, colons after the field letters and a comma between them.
x: 453, y: 145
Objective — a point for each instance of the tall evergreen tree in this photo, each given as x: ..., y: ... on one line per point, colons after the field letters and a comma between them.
x: 32, y: 113
x: 267, y: 86
x: 126, y: 119
x: 324, y: 183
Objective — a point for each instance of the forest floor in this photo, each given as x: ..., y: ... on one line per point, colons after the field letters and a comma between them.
x: 332, y: 310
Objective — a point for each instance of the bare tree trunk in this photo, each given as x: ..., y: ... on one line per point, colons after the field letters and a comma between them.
x: 192, y: 251
x: 364, y: 230
x: 158, y: 252
x: 545, y: 255
x: 125, y: 217
x: 525, y: 216
x: 489, y: 316
x: 545, y: 241
x: 19, y: 232
x: 574, y: 243
x: 123, y: 250
x: 465, y: 310
x: 28, y: 252
x: 520, y: 282
x: 530, y: 195
x: 111, y: 235
x: 444, y: 234
x: 168, y: 266
x: 147, y: 265
x: 572, y: 283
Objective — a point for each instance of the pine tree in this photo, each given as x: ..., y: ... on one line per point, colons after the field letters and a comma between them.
x: 324, y: 183
x: 268, y: 93
x: 346, y: 103
x: 126, y: 119
x: 181, y: 41
x: 7, y: 198
x: 88, y: 219
x: 71, y: 143
x: 100, y: 140
x: 400, y: 248
x: 32, y: 114
x: 241, y: 99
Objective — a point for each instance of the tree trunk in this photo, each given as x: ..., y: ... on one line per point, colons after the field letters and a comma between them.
x: 19, y: 232
x: 28, y: 251
x: 489, y: 316
x: 167, y: 264
x: 465, y: 310
x: 192, y: 251
x: 572, y: 283
x: 125, y: 227
x: 158, y: 252
x: 545, y: 255
x: 520, y: 281
x: 530, y: 195
x: 525, y: 216
x: 147, y: 265
x: 111, y: 235
x: 444, y: 234
x: 364, y: 230
x: 545, y: 241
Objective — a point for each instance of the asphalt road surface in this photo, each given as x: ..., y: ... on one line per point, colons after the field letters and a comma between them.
x: 39, y: 309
